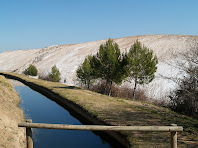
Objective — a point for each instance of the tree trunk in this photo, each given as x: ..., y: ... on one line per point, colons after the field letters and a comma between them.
x: 88, y: 84
x: 110, y: 88
x: 106, y: 87
x: 134, y: 88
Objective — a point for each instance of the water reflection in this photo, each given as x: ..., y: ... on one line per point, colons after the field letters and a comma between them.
x: 42, y: 110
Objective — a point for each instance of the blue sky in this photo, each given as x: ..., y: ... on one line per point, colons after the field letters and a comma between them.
x: 30, y: 24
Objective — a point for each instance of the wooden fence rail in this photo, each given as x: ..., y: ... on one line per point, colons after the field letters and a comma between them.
x: 172, y: 129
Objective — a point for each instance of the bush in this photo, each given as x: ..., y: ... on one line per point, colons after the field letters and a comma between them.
x: 31, y: 70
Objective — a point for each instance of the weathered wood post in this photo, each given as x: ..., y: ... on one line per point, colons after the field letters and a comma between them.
x: 173, y: 138
x: 29, y: 135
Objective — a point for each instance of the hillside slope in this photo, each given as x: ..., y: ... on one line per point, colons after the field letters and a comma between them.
x: 68, y: 57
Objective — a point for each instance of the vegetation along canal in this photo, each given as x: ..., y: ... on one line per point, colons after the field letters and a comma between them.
x: 42, y: 110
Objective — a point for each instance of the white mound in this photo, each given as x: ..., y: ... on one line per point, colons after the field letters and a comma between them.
x: 68, y: 57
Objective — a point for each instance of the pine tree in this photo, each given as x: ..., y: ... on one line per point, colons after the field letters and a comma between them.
x: 55, y: 74
x: 141, y: 64
x: 107, y: 64
x: 85, y: 73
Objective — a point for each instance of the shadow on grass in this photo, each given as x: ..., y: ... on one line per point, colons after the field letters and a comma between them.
x: 69, y: 87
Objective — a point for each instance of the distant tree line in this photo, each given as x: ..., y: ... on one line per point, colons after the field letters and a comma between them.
x: 138, y: 66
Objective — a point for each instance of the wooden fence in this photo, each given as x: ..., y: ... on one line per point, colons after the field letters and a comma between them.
x: 173, y: 129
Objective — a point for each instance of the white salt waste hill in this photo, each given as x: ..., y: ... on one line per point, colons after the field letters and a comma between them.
x: 67, y: 58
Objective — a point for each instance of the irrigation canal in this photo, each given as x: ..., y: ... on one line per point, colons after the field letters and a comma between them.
x: 42, y: 110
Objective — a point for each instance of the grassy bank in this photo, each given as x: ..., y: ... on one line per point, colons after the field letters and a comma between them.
x: 118, y: 111
x: 10, y: 114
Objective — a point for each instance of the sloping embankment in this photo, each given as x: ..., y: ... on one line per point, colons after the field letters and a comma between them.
x: 99, y: 109
x: 11, y: 136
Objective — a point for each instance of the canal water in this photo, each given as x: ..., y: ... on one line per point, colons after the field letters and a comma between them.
x: 42, y: 110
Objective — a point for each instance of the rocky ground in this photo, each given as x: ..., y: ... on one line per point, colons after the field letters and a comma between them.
x: 11, y: 136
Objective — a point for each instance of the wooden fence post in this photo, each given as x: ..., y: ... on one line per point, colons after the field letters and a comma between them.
x: 29, y: 135
x: 173, y: 138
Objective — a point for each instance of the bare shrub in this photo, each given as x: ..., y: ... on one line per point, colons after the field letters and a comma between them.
x: 141, y: 96
x: 160, y: 102
x: 122, y: 92
x: 185, y: 98
x: 99, y: 87
x: 44, y: 77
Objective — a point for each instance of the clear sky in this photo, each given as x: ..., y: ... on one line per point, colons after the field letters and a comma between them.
x: 30, y: 24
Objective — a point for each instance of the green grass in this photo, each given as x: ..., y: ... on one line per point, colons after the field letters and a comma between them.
x: 118, y: 111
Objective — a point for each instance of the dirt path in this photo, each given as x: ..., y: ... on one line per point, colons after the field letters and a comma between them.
x: 11, y: 136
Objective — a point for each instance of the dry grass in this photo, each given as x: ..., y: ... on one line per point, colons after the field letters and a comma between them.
x: 118, y: 111
x: 10, y: 115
